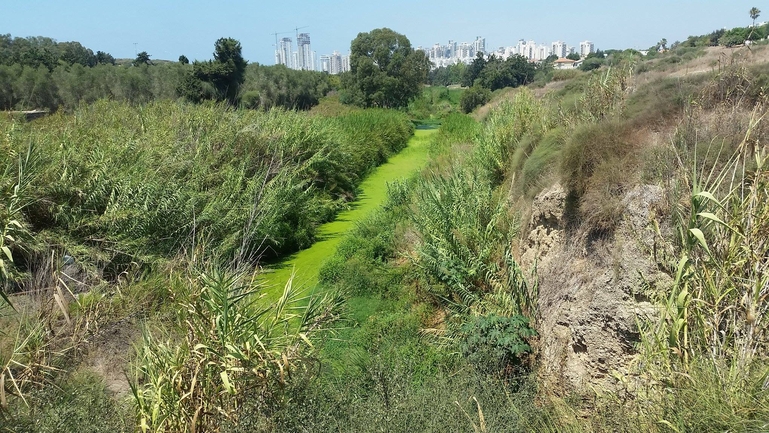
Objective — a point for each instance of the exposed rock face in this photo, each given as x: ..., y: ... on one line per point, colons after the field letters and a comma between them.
x: 590, y: 290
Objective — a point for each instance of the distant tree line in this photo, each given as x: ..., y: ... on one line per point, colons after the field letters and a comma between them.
x: 726, y: 38
x: 486, y: 74
x: 40, y: 73
x: 41, y: 51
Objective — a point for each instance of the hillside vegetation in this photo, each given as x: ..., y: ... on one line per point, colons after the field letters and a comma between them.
x: 587, y: 253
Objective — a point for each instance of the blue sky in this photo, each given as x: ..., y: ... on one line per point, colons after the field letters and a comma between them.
x: 168, y: 28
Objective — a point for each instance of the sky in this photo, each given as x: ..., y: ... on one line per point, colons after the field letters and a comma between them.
x: 168, y: 28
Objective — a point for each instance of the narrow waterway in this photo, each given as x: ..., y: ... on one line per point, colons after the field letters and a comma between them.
x: 305, y: 265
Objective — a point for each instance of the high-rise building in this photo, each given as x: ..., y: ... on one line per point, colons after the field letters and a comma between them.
x: 345, y: 63
x: 465, y: 51
x: 284, y: 54
x: 586, y: 48
x: 560, y: 49
x: 479, y: 46
x: 325, y: 63
x: 542, y: 52
x: 304, y: 52
x: 452, y: 51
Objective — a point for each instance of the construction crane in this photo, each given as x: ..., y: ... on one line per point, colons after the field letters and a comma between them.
x: 276, y: 40
x: 297, y: 30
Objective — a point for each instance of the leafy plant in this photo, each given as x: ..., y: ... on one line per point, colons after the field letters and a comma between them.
x: 14, y: 196
x: 230, y: 345
x: 495, y: 343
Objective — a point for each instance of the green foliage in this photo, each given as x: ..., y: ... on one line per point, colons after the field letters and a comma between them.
x: 447, y: 75
x: 79, y: 402
x: 540, y: 161
x: 513, y: 72
x: 40, y: 51
x: 464, y: 231
x: 435, y: 103
x: 495, y: 343
x: 277, y: 86
x: 15, y: 197
x: 473, y: 71
x: 142, y: 59
x: 250, y: 182
x: 228, y: 345
x: 455, y: 129
x: 225, y: 73
x: 385, y: 71
x: 504, y: 128
x: 474, y: 97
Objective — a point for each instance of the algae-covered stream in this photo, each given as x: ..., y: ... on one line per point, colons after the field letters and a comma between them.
x: 305, y: 265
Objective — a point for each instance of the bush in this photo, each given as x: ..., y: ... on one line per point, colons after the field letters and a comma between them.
x: 474, y: 97
x: 495, y: 344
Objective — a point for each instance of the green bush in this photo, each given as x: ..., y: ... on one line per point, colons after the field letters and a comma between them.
x: 474, y: 97
x: 495, y: 344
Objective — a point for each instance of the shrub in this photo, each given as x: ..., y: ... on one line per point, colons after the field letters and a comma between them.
x: 474, y: 97
x: 495, y: 343
x: 539, y: 163
x: 506, y: 125
x: 590, y: 146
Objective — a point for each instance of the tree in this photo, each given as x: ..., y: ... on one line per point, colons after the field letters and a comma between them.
x: 103, y: 58
x: 384, y: 70
x: 473, y: 71
x: 74, y: 52
x: 754, y: 14
x: 142, y: 59
x: 663, y: 44
x: 474, y: 97
x: 573, y: 56
x: 184, y: 60
x: 226, y: 72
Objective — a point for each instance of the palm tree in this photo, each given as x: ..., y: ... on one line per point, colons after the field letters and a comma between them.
x: 754, y: 13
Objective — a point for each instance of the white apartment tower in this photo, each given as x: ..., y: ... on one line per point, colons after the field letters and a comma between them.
x: 586, y: 48
x: 560, y: 49
x: 284, y: 55
x: 336, y: 63
x: 304, y: 52
x: 479, y: 46
x: 325, y: 63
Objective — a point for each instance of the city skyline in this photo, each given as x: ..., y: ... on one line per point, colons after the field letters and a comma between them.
x: 169, y: 28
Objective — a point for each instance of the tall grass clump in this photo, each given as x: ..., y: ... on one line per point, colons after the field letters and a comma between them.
x: 456, y: 130
x: 596, y: 166
x: 707, y: 352
x: 606, y: 93
x: 226, y: 346
x: 369, y: 137
x: 118, y: 184
x: 15, y: 184
x: 465, y: 231
x: 504, y: 129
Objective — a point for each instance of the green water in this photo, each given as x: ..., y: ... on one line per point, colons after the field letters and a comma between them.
x: 305, y: 265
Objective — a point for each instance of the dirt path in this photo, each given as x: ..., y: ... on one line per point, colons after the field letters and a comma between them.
x: 306, y: 264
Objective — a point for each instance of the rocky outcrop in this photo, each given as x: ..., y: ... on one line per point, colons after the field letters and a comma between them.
x: 591, y: 289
